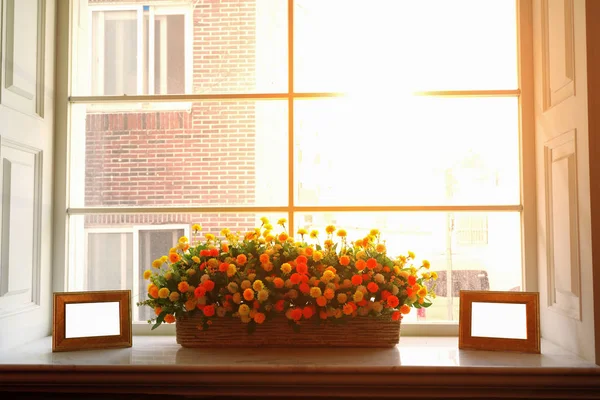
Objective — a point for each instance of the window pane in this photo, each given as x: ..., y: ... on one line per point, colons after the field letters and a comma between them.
x: 407, y: 151
x: 490, y: 260
x: 212, y: 153
x: 114, y: 65
x: 107, y: 242
x: 226, y: 46
x: 341, y: 45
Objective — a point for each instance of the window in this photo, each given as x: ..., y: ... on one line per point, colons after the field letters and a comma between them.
x: 139, y: 50
x: 404, y: 116
x: 116, y: 257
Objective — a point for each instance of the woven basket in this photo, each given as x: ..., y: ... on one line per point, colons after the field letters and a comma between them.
x: 276, y: 332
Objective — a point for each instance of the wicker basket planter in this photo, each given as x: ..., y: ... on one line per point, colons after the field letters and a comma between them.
x: 276, y: 332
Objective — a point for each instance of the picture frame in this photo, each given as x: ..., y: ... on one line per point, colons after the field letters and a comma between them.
x: 499, y: 321
x: 91, y: 320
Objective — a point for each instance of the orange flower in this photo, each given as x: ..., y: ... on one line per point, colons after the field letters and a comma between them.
x: 371, y: 263
x: 241, y: 259
x: 412, y: 280
x: 174, y: 257
x: 153, y: 291
x: 209, y: 310
x: 302, y: 269
x: 223, y: 267
x: 360, y: 264
x: 259, y: 318
x: 208, y: 285
x: 283, y: 237
x: 278, y: 282
x: 357, y: 280
x: 224, y: 247
x: 308, y: 251
x: 200, y: 291
x: 169, y: 318
x: 304, y: 288
x: 393, y: 301
x: 348, y: 309
x: 344, y: 260
x: 248, y: 294
x: 183, y: 287
x: 372, y: 287
x: 295, y: 278
x: 405, y: 309
x: 321, y: 301
x: 323, y: 314
x: 380, y: 248
x: 264, y: 258
x: 279, y: 305
x: 296, y: 314
x: 329, y: 294
x: 307, y: 312
x: 396, y: 315
x: 157, y: 310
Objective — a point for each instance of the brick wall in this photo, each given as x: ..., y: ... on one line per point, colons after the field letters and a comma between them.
x: 204, y: 155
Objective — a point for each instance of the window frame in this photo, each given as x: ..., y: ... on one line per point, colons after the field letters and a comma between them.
x: 527, y: 206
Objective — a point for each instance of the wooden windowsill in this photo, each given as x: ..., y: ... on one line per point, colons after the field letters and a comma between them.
x: 418, y: 367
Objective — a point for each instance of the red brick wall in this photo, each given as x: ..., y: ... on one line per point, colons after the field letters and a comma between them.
x: 203, y: 157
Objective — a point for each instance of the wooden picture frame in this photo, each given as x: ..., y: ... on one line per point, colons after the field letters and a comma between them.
x: 69, y: 306
x: 530, y: 343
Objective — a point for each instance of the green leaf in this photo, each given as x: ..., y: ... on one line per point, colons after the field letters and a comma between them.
x: 159, y: 320
x: 425, y: 305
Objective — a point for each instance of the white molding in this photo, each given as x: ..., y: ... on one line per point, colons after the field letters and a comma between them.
x: 40, y: 98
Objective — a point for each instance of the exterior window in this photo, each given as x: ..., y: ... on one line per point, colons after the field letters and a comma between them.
x: 409, y: 124
x: 138, y: 51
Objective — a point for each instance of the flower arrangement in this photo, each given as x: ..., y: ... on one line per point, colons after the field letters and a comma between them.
x: 253, y: 276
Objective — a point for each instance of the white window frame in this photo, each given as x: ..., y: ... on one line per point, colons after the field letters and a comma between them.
x: 63, y: 211
x: 159, y: 10
x: 106, y: 230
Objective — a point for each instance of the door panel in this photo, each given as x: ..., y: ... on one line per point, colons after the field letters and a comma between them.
x: 562, y: 168
x: 26, y: 138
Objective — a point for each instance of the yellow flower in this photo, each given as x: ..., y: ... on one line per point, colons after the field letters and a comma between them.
x: 426, y: 264
x: 380, y: 248
x: 315, y: 292
x: 196, y: 227
x: 426, y: 275
x: 225, y: 232
x: 183, y: 239
x: 358, y: 296
x: 232, y: 287
x: 168, y: 275
x: 157, y: 263
x: 314, y: 233
x: 147, y: 274
x: 246, y: 284
x: 361, y: 255
x: 411, y: 255
x: 196, y: 259
x: 328, y: 275
x: 237, y: 298
x: 164, y: 259
x: 268, y: 227
x: 163, y: 293
x: 209, y: 236
x: 191, y: 271
x: 244, y: 310
x: 258, y: 285
x: 302, y: 231
x: 286, y: 268
x: 434, y: 275
x: 422, y: 292
x: 262, y: 295
x: 374, y: 232
x: 330, y: 229
x: 231, y: 270
x: 264, y: 220
x: 174, y: 296
x: 318, y: 255
x: 342, y: 233
x: 281, y: 221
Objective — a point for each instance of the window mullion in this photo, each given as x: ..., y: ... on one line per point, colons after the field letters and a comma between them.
x: 140, y: 50
x: 151, y: 54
